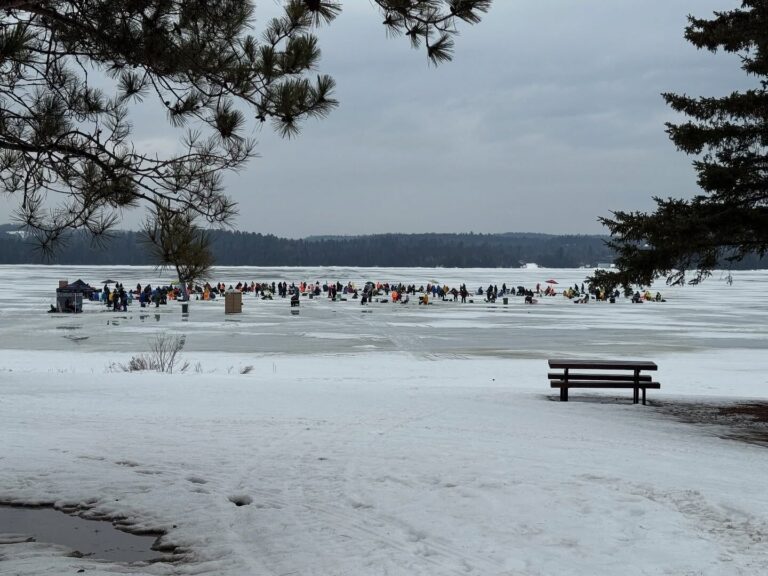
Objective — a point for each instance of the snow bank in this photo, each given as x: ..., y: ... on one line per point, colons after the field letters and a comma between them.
x: 425, y: 447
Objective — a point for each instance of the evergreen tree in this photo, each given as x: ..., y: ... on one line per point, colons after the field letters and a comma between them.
x: 728, y: 221
x: 175, y: 241
x: 66, y: 150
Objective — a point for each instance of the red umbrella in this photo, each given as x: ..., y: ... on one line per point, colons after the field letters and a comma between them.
x: 550, y: 281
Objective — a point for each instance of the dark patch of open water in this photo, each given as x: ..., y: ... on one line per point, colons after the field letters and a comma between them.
x: 94, y: 539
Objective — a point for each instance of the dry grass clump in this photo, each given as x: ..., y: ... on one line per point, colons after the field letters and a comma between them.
x: 163, y: 356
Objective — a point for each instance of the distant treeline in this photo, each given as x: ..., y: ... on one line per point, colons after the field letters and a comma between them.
x: 251, y: 249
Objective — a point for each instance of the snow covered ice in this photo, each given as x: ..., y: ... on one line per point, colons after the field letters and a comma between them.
x: 407, y: 440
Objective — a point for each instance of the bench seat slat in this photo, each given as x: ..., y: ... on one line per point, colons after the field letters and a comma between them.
x: 615, y: 377
x: 604, y: 384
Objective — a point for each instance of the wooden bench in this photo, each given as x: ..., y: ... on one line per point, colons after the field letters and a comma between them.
x: 567, y: 379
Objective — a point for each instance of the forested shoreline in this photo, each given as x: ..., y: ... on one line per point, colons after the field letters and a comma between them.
x: 232, y: 248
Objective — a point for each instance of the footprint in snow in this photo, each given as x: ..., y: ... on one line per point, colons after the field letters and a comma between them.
x: 241, y: 499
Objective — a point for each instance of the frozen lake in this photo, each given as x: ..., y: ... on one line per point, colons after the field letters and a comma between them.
x: 390, y: 439
x: 713, y: 316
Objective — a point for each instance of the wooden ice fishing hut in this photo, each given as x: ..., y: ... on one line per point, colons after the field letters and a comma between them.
x: 69, y: 297
x: 233, y: 302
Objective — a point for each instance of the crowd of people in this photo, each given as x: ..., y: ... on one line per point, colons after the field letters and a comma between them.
x: 118, y: 298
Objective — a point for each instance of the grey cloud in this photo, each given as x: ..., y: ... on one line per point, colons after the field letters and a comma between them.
x: 549, y: 116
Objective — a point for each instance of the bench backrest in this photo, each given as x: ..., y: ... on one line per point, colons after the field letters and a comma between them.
x: 603, y: 364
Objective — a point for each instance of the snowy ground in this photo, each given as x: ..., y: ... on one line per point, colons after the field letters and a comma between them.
x: 400, y: 440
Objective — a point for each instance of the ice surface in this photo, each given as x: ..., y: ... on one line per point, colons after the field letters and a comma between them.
x: 404, y: 440
x: 712, y: 316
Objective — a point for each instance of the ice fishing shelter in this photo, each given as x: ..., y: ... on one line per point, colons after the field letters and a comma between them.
x: 233, y: 302
x: 69, y: 298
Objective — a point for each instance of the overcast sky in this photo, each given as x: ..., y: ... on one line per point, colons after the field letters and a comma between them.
x: 549, y: 116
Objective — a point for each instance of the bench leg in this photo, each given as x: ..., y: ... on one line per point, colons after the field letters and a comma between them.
x: 637, y: 389
x: 563, y: 394
x: 635, y: 396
